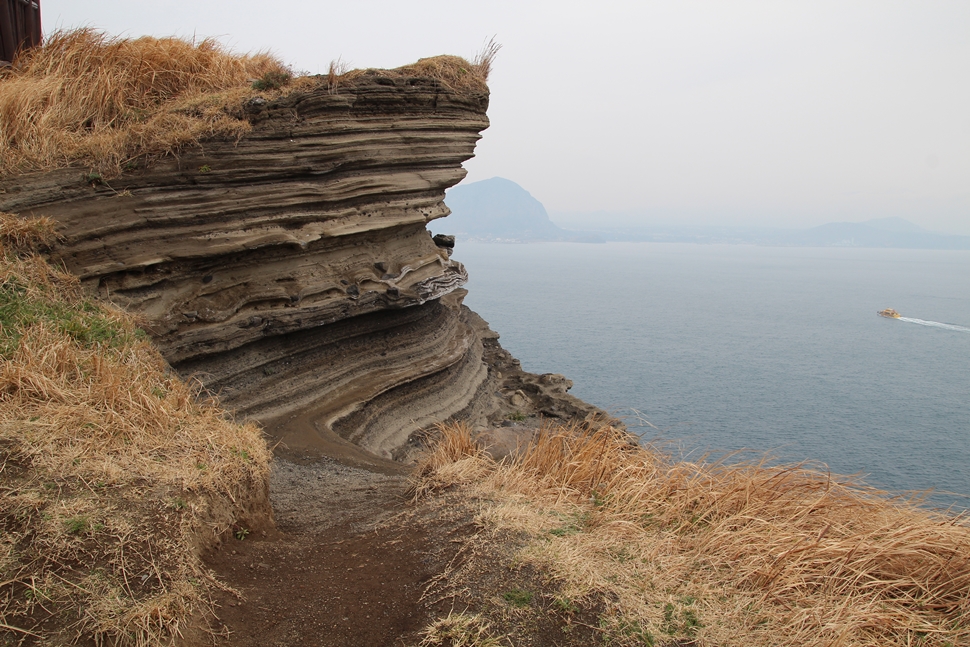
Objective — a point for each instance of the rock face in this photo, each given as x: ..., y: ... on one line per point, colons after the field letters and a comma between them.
x: 292, y: 271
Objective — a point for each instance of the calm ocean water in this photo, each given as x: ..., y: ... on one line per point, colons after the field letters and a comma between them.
x: 774, y: 349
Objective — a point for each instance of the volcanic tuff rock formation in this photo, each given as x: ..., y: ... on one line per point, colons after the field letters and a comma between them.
x: 291, y: 271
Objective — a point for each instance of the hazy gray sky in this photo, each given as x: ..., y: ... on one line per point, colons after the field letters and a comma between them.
x: 767, y: 113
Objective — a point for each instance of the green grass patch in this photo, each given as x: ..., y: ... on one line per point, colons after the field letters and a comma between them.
x: 636, y: 631
x: 565, y: 605
x: 518, y: 597
x: 77, y: 525
x: 687, y: 622
x: 273, y: 80
x: 85, y: 322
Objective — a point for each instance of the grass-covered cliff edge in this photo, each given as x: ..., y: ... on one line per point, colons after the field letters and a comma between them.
x: 694, y: 553
x: 268, y: 233
x: 114, y: 475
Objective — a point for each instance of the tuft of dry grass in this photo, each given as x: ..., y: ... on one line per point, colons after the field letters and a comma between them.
x: 719, y: 553
x: 113, y: 474
x: 453, y: 72
x: 459, y: 630
x: 23, y: 235
x: 452, y: 462
x: 482, y: 63
x: 87, y: 98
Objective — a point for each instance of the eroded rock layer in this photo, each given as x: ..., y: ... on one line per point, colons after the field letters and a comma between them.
x: 291, y: 271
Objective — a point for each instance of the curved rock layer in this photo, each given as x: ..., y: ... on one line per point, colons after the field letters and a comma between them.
x: 291, y: 271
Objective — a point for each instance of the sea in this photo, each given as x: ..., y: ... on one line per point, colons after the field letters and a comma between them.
x: 710, y: 349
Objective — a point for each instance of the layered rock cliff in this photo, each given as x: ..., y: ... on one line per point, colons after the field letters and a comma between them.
x: 291, y: 271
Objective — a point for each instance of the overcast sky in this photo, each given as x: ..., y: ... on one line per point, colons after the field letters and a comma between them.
x: 764, y: 113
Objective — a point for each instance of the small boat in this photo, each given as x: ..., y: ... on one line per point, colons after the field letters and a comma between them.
x: 888, y: 312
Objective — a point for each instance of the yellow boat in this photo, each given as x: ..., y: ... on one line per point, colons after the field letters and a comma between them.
x: 888, y: 312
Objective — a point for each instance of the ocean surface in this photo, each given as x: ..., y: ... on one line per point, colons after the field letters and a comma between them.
x: 779, y: 350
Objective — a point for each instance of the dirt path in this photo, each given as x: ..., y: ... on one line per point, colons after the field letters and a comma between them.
x: 347, y: 567
x: 355, y: 563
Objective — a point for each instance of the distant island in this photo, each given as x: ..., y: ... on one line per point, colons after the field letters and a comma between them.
x: 498, y: 210
x: 893, y: 232
x: 880, y: 232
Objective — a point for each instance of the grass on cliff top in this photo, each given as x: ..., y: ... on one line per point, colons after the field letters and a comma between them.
x: 84, y: 98
x: 453, y: 72
x: 696, y: 553
x: 113, y: 476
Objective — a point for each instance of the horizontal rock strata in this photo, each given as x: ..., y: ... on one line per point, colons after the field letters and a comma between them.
x: 291, y: 271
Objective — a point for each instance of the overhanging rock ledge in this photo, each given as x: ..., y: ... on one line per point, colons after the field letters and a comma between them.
x: 292, y: 272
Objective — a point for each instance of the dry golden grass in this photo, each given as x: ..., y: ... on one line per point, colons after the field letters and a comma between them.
x: 459, y: 630
x: 453, y: 72
x: 112, y: 474
x: 446, y: 465
x: 20, y: 235
x: 482, y: 63
x: 86, y: 98
x: 724, y: 554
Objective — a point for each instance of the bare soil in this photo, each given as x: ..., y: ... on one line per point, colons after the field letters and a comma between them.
x: 346, y: 566
x: 355, y: 562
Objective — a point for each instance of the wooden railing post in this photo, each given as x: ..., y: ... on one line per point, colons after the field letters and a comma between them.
x: 19, y: 28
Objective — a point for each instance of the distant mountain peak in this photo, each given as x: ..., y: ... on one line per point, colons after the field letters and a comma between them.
x: 498, y: 181
x: 498, y: 209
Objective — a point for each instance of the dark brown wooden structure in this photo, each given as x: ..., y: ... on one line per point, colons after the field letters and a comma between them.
x: 19, y: 27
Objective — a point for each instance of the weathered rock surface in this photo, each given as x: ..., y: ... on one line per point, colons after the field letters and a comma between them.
x: 292, y: 272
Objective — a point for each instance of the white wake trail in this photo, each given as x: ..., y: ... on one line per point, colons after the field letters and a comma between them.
x: 934, y: 324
